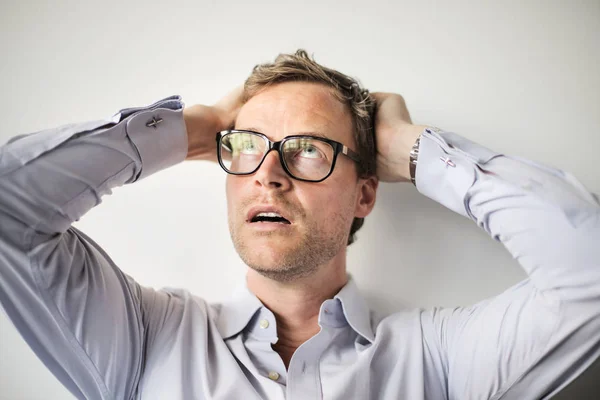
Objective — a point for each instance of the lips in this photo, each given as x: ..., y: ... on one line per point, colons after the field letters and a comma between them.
x: 268, y: 213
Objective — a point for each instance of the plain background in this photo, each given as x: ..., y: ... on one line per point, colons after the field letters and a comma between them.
x: 518, y: 77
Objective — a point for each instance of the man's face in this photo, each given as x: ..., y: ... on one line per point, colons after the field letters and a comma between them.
x: 320, y: 214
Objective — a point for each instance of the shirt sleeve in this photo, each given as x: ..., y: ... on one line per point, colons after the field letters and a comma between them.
x: 536, y: 337
x: 84, y: 318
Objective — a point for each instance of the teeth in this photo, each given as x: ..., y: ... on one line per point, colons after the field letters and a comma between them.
x: 268, y: 214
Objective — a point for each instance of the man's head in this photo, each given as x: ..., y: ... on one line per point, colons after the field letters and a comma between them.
x: 296, y: 96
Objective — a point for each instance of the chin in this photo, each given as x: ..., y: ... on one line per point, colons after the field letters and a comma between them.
x: 271, y: 255
x: 268, y: 253
x: 287, y: 254
x: 281, y: 267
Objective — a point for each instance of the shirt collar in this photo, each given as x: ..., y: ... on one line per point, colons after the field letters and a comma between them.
x: 356, y: 311
x: 237, y: 311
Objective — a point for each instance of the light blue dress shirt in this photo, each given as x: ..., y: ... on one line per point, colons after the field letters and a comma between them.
x: 106, y: 337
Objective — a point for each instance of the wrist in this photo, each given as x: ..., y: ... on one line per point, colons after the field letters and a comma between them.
x: 190, y: 120
x: 201, y: 125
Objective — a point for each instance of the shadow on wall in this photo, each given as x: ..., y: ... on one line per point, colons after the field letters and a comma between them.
x: 414, y: 252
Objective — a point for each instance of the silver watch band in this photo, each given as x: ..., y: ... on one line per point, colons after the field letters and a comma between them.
x: 414, y: 154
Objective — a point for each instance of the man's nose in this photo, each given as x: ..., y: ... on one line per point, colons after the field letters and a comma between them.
x: 271, y: 173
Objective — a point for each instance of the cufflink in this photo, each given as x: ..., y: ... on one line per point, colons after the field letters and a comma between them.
x: 154, y: 122
x: 447, y: 161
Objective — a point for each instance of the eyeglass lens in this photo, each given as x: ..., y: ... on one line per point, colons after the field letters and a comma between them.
x: 305, y: 158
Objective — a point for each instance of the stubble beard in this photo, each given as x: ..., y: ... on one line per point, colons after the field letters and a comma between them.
x: 316, y: 247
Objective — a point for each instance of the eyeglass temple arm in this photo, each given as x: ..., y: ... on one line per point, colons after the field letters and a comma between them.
x: 350, y: 153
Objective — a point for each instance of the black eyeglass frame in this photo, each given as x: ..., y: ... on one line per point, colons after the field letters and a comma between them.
x: 337, y: 149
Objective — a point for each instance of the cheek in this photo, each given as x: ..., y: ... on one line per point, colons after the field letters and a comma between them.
x: 332, y: 203
x: 232, y: 190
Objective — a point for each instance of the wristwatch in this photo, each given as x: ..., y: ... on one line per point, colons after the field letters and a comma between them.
x: 414, y: 154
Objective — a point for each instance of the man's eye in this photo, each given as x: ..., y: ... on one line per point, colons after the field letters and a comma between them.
x: 248, y: 148
x: 310, y: 152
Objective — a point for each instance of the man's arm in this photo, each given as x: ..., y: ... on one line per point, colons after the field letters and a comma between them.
x: 82, y: 316
x: 536, y: 337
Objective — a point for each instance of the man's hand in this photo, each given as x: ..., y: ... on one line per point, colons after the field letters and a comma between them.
x: 203, y: 122
x: 395, y: 135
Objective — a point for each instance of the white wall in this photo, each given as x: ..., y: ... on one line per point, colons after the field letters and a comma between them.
x: 520, y: 77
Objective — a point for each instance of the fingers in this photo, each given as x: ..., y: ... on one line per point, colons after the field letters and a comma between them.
x: 231, y: 99
x: 229, y: 106
x: 391, y: 106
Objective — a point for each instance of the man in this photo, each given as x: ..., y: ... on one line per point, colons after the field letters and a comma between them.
x: 303, y: 166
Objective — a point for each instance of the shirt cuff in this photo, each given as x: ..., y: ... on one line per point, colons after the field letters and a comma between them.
x: 446, y: 168
x: 158, y: 132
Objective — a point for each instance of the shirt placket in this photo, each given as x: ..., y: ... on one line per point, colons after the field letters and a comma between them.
x: 304, y: 378
x: 262, y: 333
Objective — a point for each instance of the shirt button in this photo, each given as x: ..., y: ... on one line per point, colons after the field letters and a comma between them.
x: 264, y: 324
x: 273, y: 375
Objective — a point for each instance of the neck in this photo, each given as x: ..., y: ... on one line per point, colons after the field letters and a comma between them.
x: 296, y: 304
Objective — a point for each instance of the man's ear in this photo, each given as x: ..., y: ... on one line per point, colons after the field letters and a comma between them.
x: 367, y: 192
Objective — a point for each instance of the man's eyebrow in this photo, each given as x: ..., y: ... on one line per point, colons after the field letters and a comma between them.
x: 319, y: 134
x: 307, y: 133
x: 250, y: 129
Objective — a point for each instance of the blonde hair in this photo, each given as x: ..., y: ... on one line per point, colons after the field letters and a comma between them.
x: 300, y: 67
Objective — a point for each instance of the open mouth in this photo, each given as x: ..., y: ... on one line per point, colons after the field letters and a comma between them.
x: 272, y: 217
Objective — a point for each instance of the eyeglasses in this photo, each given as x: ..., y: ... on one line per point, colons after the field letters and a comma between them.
x: 303, y: 157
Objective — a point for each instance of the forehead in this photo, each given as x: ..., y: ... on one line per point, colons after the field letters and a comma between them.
x: 293, y: 108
